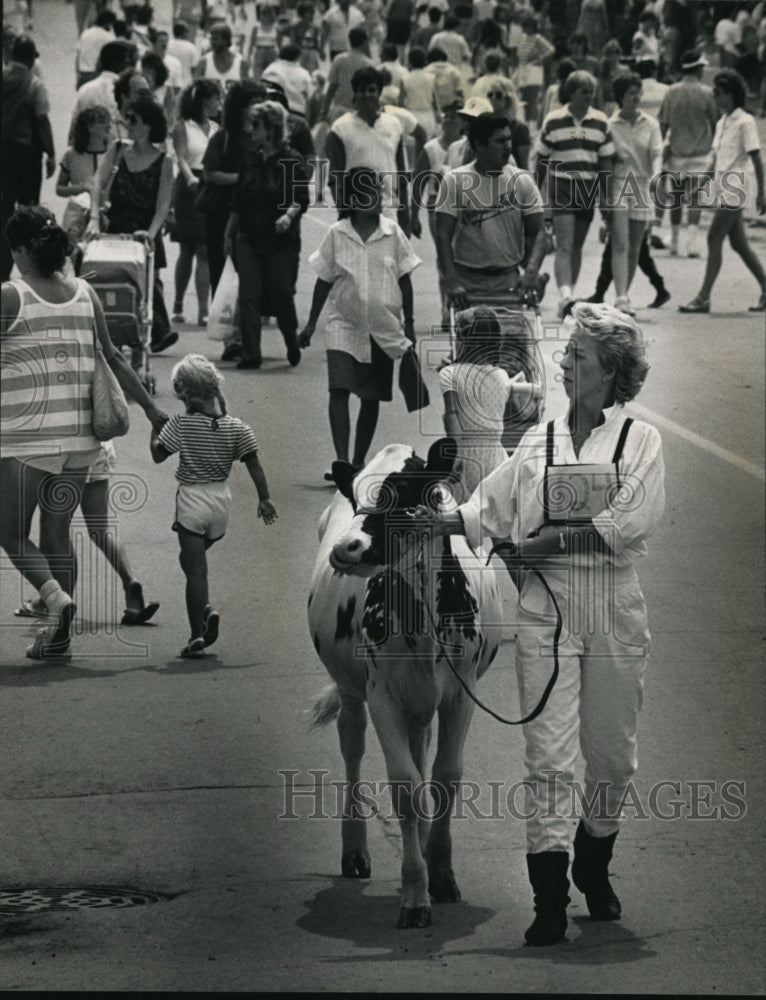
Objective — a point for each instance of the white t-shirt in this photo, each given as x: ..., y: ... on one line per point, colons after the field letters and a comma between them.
x: 372, y: 146
x: 489, y: 212
x: 187, y: 55
x: 92, y: 40
x: 736, y: 136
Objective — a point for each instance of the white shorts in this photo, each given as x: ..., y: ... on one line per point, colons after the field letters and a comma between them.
x: 203, y: 509
x: 65, y: 461
x: 104, y: 465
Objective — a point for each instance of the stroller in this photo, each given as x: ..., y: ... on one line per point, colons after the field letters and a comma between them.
x: 520, y: 332
x: 121, y: 271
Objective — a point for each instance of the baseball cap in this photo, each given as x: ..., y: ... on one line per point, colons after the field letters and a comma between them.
x: 476, y: 106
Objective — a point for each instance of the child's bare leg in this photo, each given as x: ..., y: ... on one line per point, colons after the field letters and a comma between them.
x: 194, y: 564
x: 366, y: 423
x: 340, y: 423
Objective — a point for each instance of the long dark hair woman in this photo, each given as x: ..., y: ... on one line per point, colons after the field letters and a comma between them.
x: 136, y: 178
x: 263, y: 232
x: 199, y: 107
x: 47, y: 442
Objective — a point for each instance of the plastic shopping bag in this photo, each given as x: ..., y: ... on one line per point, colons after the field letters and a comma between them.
x: 223, y: 319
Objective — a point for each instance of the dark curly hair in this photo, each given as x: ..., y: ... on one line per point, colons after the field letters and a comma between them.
x: 239, y: 96
x: 82, y: 126
x: 730, y: 81
x: 34, y: 228
x: 151, y: 114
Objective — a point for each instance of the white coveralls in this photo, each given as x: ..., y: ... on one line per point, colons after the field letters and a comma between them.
x: 604, y: 641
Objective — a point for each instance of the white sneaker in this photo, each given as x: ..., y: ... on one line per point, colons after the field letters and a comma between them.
x: 624, y: 305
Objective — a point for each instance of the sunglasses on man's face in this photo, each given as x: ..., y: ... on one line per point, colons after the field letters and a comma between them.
x: 495, y: 94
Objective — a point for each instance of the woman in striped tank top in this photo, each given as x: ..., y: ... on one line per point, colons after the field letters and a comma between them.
x: 49, y: 323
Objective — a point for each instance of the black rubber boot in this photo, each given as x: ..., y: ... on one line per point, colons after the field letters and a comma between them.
x: 590, y: 873
x: 548, y: 877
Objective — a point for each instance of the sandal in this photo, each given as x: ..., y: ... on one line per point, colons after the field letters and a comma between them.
x: 47, y: 647
x: 141, y: 615
x: 33, y: 607
x: 193, y: 649
x: 212, y: 623
x: 696, y: 306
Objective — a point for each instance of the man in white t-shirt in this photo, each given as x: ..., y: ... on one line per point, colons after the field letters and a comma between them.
x: 489, y: 222
x: 89, y: 46
x: 294, y: 79
x: 337, y: 23
x: 184, y: 51
x: 369, y: 137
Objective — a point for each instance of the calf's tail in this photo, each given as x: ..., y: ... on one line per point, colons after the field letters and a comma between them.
x: 325, y: 708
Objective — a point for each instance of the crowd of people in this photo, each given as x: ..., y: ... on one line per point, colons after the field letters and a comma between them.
x: 510, y: 124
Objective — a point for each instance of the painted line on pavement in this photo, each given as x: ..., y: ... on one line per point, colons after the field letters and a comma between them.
x: 670, y: 425
x: 700, y: 442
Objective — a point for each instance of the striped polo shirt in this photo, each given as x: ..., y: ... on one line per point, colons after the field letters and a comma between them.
x: 207, y: 447
x: 46, y: 375
x: 573, y: 148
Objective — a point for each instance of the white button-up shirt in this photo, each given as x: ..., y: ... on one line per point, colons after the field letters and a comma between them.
x: 509, y: 502
x: 366, y: 300
x: 736, y: 137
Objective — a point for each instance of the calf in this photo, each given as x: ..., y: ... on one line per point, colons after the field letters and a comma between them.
x: 395, y: 615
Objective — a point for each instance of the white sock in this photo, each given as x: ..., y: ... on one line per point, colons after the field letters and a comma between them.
x: 55, y: 598
x: 565, y: 292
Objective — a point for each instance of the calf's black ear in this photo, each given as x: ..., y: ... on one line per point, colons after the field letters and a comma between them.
x: 441, y: 457
x: 343, y: 473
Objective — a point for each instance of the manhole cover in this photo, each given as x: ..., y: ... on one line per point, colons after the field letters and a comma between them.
x: 47, y: 898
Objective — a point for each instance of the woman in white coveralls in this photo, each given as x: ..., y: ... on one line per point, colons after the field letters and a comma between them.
x: 589, y: 568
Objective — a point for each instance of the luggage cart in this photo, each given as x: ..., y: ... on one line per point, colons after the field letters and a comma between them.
x: 121, y: 271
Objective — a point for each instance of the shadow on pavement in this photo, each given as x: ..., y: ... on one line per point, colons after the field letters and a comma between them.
x: 33, y: 673
x: 587, y: 943
x: 346, y: 911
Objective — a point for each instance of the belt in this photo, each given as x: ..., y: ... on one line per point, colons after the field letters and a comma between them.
x: 514, y: 269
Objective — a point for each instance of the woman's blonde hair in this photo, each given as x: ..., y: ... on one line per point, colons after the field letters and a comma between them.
x: 498, y: 82
x: 197, y: 381
x: 620, y: 345
x: 274, y: 118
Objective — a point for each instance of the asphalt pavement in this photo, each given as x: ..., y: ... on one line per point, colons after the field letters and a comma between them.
x: 194, y: 795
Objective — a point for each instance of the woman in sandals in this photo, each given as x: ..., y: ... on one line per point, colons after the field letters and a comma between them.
x: 50, y: 323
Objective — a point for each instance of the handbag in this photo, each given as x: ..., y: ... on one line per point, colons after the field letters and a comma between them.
x: 110, y: 418
x: 76, y: 216
x: 206, y: 197
x: 411, y: 383
x: 222, y: 320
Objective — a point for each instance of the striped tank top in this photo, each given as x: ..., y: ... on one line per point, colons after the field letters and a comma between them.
x: 46, y: 375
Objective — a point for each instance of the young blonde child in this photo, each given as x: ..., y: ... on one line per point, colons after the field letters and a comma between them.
x: 208, y: 441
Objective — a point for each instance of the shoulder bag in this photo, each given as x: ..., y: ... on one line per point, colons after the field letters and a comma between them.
x: 110, y: 417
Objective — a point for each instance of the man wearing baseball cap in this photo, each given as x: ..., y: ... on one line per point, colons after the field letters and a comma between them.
x: 689, y: 114
x: 473, y: 107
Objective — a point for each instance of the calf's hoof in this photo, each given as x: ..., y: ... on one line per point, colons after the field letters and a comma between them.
x: 442, y: 886
x: 355, y: 864
x: 414, y: 917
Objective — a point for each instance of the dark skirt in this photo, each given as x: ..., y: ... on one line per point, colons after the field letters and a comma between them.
x: 190, y: 223
x: 367, y: 380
